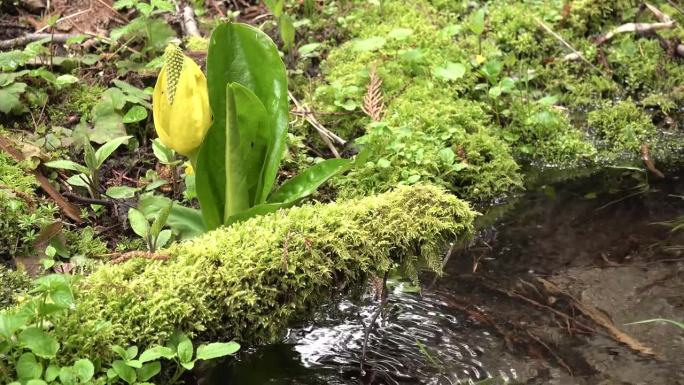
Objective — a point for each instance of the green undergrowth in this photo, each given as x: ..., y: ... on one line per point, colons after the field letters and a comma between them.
x: 246, y: 282
x: 467, y: 106
x: 12, y: 284
x: 22, y: 214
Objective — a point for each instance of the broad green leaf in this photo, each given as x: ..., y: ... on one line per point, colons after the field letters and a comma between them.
x: 188, y: 365
x: 309, y: 180
x: 163, y: 238
x: 185, y: 221
x: 120, y: 351
x: 51, y: 373
x: 155, y: 353
x: 84, y: 369
x: 160, y: 219
x: 132, y: 94
x: 135, y: 114
x: 163, y: 153
x: 149, y: 370
x: 121, y: 192
x: 67, y: 376
x: 447, y: 155
x: 10, y: 324
x: 124, y: 371
x: 10, y: 97
x: 62, y: 296
x: 36, y: 382
x: 185, y: 350
x: 107, y: 119
x: 80, y: 180
x: 134, y: 364
x: 287, y: 32
x: 63, y: 80
x: 241, y: 54
x: 308, y: 49
x: 67, y: 165
x: 216, y: 350
x: 476, y: 23
x: 108, y: 148
x: 451, y: 71
x: 139, y: 224
x: 39, y: 342
x: 28, y: 367
x: 131, y: 352
x: 367, y: 45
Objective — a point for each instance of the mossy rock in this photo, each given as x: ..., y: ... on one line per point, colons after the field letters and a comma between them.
x: 248, y: 281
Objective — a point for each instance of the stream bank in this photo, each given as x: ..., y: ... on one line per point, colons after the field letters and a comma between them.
x: 494, y: 315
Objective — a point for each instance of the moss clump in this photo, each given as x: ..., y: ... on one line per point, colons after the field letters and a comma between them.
x: 12, y: 284
x: 248, y: 281
x: 427, y: 129
x: 22, y: 215
x: 77, y: 100
x: 622, y: 127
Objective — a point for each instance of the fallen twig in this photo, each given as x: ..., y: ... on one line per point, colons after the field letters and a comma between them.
x: 558, y: 37
x: 63, y: 19
x: 326, y: 135
x: 635, y: 27
x: 60, y: 38
x: 67, y: 208
x: 648, y: 162
x: 599, y: 318
x: 189, y: 23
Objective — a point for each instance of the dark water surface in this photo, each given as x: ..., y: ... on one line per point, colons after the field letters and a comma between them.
x: 598, y: 227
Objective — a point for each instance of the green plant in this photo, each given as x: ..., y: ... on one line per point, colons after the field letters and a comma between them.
x: 31, y: 351
x: 148, y: 28
x: 153, y: 235
x: 89, y: 175
x: 23, y: 213
x: 118, y: 106
x: 286, y: 27
x: 240, y: 156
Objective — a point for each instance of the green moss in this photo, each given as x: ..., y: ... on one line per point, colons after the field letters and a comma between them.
x: 22, y: 214
x: 12, y: 284
x: 77, y: 100
x: 622, y: 128
x: 248, y: 281
x: 424, y: 117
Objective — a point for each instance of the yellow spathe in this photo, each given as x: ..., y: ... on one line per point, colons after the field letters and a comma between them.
x: 180, y: 103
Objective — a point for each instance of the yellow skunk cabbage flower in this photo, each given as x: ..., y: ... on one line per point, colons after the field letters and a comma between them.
x: 180, y: 103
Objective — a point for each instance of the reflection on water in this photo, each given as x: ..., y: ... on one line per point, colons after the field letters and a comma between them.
x: 417, y: 340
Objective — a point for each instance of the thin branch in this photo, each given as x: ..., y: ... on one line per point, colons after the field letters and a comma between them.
x: 189, y: 23
x: 567, y: 45
x: 326, y: 135
x: 60, y: 38
x: 65, y: 18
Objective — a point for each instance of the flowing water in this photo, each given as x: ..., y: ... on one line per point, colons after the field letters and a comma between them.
x: 593, y: 236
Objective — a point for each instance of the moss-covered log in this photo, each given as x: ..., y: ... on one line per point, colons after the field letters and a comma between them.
x: 248, y: 281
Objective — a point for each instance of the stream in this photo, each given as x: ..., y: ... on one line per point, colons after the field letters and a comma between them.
x: 488, y: 321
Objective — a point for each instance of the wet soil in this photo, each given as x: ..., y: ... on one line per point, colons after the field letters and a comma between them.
x: 543, y: 296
